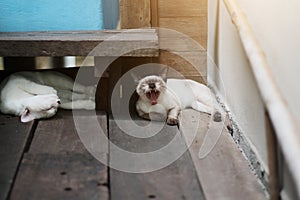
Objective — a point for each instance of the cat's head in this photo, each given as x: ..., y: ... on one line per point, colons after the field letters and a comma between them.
x: 29, y: 115
x: 45, y: 107
x: 150, y: 88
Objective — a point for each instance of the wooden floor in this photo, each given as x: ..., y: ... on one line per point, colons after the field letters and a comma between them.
x: 46, y: 160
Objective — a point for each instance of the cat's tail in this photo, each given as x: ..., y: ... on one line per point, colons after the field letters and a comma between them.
x: 216, y: 126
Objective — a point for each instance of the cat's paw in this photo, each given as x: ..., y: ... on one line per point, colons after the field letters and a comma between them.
x: 145, y: 116
x: 44, y: 102
x: 172, y: 121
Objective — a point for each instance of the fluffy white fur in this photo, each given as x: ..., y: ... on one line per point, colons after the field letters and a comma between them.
x: 159, y: 100
x: 35, y: 95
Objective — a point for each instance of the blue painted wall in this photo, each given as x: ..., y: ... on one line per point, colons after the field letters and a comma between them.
x: 50, y: 15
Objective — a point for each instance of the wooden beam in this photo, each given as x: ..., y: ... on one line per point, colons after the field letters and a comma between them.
x: 139, y: 43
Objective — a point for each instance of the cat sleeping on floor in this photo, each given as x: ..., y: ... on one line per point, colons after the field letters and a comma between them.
x: 36, y: 95
x: 160, y: 100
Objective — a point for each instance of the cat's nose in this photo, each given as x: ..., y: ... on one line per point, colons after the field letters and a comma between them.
x: 58, y: 101
x: 151, y: 85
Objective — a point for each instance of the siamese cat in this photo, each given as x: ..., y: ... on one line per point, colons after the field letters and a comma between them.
x: 36, y: 95
x: 163, y: 100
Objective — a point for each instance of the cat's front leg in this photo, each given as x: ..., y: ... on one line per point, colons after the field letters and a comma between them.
x: 173, y: 116
x: 143, y: 115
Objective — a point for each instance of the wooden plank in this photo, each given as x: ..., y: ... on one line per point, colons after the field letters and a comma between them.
x: 178, y: 8
x: 224, y: 173
x: 178, y: 43
x: 61, y: 176
x: 176, y: 181
x: 154, y: 13
x: 80, y: 43
x: 60, y: 134
x: 194, y: 27
x: 14, y: 137
x: 186, y: 63
x: 135, y: 14
x: 58, y: 166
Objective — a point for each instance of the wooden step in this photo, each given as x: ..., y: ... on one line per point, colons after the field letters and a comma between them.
x: 223, y: 172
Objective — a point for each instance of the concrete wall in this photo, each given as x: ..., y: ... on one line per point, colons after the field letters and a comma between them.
x: 276, y: 24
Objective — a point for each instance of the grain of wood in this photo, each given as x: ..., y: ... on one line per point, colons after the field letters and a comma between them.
x: 194, y: 27
x: 186, y: 63
x: 135, y: 13
x: 13, y: 139
x: 224, y: 172
x: 178, y: 8
x: 79, y: 43
x: 58, y: 165
x: 154, y: 13
x: 61, y: 176
x: 176, y: 181
x: 60, y: 135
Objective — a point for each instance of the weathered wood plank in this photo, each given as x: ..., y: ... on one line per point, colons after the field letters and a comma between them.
x: 176, y: 181
x: 224, y: 173
x: 142, y: 42
x: 194, y: 27
x: 154, y: 13
x: 13, y: 139
x: 178, y: 8
x: 61, y: 176
x: 186, y: 63
x: 58, y: 166
x: 135, y: 13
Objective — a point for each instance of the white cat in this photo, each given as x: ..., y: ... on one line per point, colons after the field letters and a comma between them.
x: 160, y: 100
x: 36, y: 95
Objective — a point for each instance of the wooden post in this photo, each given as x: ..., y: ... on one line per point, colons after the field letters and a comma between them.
x: 273, y: 160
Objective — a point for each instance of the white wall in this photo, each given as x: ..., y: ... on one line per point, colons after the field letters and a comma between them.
x: 276, y: 24
x: 241, y: 94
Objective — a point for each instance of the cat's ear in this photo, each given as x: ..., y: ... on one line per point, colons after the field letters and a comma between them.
x: 26, y: 116
x: 135, y: 78
x: 164, y: 73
